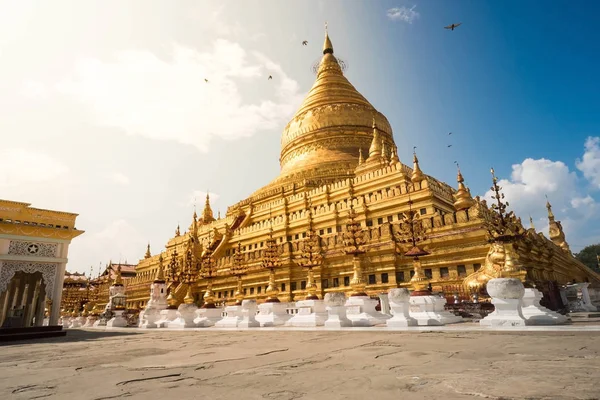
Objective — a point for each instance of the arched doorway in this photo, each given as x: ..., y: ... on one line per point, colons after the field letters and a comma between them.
x: 23, y: 302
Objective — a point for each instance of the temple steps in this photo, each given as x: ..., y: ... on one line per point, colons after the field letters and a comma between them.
x: 36, y: 332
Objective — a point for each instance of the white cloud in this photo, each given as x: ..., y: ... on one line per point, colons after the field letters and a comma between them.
x: 118, y: 240
x: 589, y: 164
x: 579, y: 202
x: 403, y: 14
x: 21, y: 167
x: 532, y: 180
x: 170, y: 100
x: 34, y: 90
x: 120, y: 178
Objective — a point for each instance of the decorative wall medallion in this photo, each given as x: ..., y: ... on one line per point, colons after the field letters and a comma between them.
x: 38, y: 249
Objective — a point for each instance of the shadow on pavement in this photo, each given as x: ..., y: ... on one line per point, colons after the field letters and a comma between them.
x: 74, y: 335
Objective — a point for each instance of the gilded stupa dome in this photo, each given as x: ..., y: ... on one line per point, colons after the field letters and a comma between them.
x: 322, y: 142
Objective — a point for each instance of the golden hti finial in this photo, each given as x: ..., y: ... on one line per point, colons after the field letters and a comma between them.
x: 361, y: 159
x: 177, y: 231
x: 463, y: 199
x: 531, y: 222
x: 375, y: 149
x: 417, y: 175
x: 384, y: 156
x: 394, y: 157
x: 160, y: 274
x: 549, y: 207
x: 148, y: 254
x: 327, y: 46
x: 207, y: 213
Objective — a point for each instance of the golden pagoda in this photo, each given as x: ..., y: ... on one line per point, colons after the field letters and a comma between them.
x: 323, y: 150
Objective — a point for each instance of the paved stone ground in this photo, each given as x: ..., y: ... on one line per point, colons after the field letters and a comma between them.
x: 286, y: 365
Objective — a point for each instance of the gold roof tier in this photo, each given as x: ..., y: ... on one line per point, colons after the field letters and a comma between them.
x: 321, y: 143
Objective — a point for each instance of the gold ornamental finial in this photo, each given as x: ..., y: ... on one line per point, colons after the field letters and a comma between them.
x: 463, y: 199
x: 160, y: 274
x: 327, y: 46
x: 177, y: 231
x: 394, y: 158
x: 361, y: 159
x: 375, y: 149
x: 417, y: 175
x: 148, y: 254
x: 549, y: 207
x: 207, y: 213
x: 531, y: 222
x: 384, y: 156
x: 118, y: 278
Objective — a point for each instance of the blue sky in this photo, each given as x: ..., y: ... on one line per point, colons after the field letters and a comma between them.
x: 110, y: 116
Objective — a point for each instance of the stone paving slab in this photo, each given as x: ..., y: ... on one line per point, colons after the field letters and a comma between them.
x: 294, y: 364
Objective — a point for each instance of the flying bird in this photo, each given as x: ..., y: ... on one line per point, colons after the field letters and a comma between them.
x: 205, y: 80
x: 270, y: 77
x: 304, y: 42
x: 449, y: 145
x: 449, y: 133
x: 452, y: 26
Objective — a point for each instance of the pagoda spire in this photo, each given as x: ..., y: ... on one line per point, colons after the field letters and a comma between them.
x: 394, y: 156
x: 384, y: 156
x: 207, y: 213
x: 195, y: 225
x: 549, y: 208
x: 361, y: 159
x: 148, y: 254
x: 327, y: 46
x: 375, y: 149
x: 417, y: 175
x: 531, y: 223
x: 177, y: 231
x: 557, y: 235
x: 463, y: 199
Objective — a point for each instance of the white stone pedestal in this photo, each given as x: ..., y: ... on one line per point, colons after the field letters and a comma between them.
x: 90, y: 321
x: 208, y: 317
x: 310, y: 313
x: 583, y: 302
x: 336, y: 311
x: 46, y: 322
x: 117, y: 321
x: 429, y: 311
x: 507, y: 294
x: 75, y: 323
x: 385, y: 303
x: 185, y: 316
x: 399, y: 303
x: 233, y: 318
x: 167, y: 316
x: 249, y: 315
x: 361, y: 311
x: 100, y: 322
x: 536, y: 314
x: 272, y: 314
x: 149, y: 318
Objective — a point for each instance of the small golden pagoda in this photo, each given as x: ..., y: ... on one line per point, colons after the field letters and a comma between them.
x: 327, y: 186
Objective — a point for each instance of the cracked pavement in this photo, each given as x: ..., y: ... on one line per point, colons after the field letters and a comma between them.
x: 286, y: 365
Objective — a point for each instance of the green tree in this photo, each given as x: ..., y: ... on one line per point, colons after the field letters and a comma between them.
x: 589, y: 256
